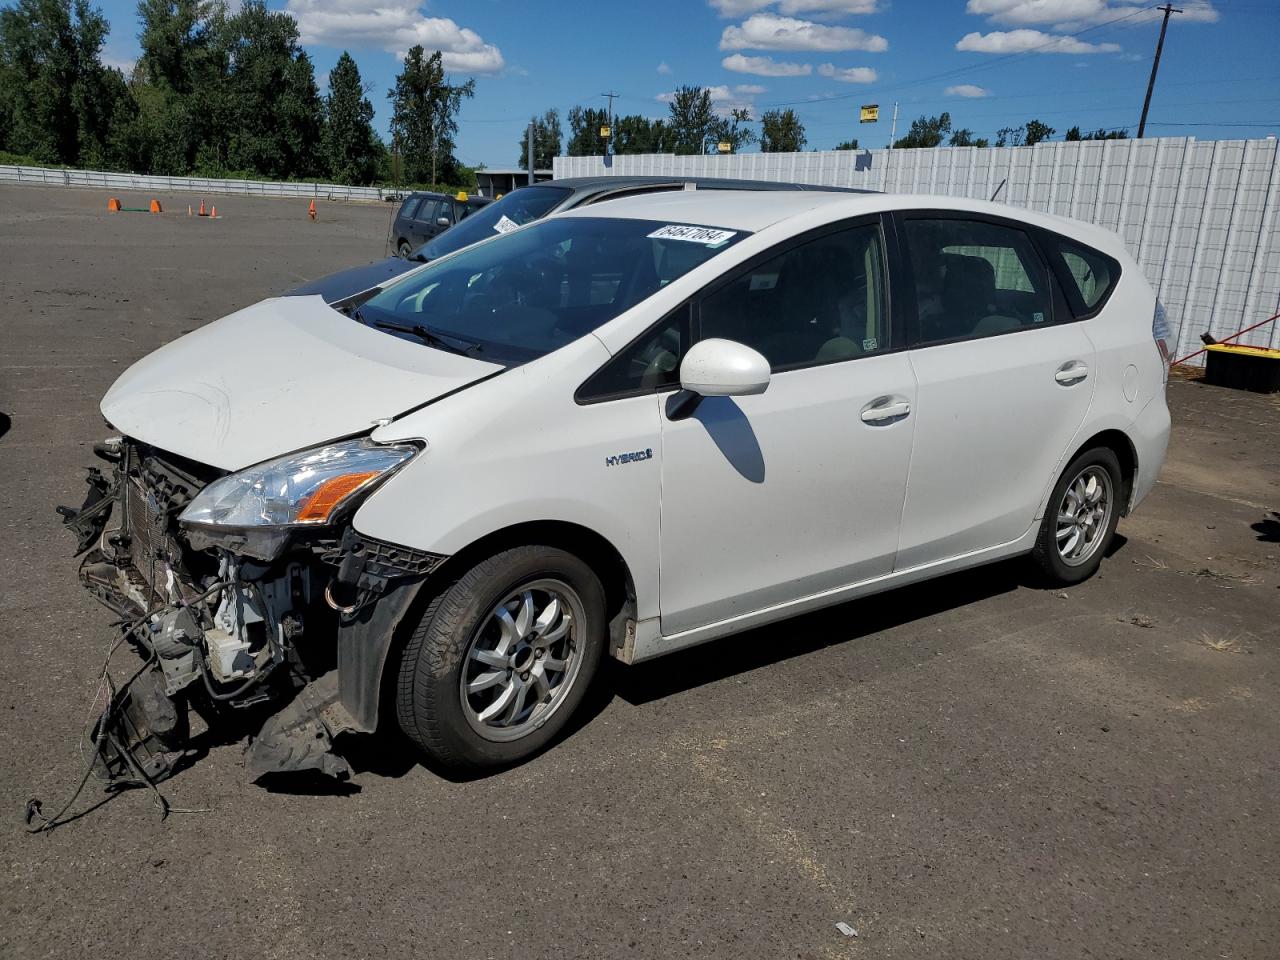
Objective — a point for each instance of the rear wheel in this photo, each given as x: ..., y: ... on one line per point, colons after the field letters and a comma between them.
x: 404, y: 249
x: 1080, y: 522
x: 502, y: 658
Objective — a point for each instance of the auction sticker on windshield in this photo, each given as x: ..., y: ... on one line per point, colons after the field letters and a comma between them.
x: 506, y: 225
x: 707, y: 235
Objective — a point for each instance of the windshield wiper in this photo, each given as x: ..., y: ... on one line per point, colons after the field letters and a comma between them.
x: 429, y: 336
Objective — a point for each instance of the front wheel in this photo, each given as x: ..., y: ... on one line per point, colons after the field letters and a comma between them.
x: 1081, y: 519
x: 502, y: 657
x: 404, y: 249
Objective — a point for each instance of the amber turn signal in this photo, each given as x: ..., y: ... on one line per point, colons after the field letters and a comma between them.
x: 317, y: 507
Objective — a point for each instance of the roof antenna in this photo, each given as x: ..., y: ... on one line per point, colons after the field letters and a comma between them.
x: 999, y: 188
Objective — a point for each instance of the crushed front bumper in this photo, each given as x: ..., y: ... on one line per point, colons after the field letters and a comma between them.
x: 306, y: 633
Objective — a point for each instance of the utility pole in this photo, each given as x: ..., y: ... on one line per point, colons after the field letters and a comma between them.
x: 533, y: 134
x: 608, y: 144
x: 893, y: 133
x: 1155, y: 66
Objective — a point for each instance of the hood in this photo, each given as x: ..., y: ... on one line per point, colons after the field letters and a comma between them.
x: 353, y: 280
x: 276, y: 377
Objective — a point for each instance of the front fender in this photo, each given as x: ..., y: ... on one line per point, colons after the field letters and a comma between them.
x: 364, y: 641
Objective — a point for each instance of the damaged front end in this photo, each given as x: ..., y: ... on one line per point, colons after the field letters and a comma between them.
x: 243, y: 592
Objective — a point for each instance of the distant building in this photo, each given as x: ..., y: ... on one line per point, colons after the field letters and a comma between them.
x: 491, y: 183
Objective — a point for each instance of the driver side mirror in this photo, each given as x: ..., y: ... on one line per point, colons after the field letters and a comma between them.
x: 443, y: 222
x: 723, y: 368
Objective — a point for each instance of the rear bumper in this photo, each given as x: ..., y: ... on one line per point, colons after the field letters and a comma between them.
x: 1150, y: 435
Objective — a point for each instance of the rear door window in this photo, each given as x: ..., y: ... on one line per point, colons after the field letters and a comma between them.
x: 409, y: 208
x: 1088, y: 275
x: 975, y: 279
x: 428, y: 212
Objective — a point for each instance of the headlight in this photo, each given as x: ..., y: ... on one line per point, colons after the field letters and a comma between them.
x: 301, y: 489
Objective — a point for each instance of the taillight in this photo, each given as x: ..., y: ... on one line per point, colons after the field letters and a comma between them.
x: 1161, y: 334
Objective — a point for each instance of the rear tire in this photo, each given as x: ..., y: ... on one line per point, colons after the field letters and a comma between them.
x: 1080, y: 520
x: 404, y: 250
x: 502, y: 657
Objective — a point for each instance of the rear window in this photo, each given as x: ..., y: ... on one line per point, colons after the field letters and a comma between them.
x: 1088, y: 275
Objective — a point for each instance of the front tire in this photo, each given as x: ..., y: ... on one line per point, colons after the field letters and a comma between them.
x: 502, y: 658
x: 404, y: 250
x: 1081, y: 518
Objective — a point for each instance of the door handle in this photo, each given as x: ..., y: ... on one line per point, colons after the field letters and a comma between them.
x: 885, y: 411
x: 1071, y: 373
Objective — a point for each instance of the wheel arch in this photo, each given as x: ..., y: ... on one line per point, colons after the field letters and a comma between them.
x: 1118, y: 442
x: 372, y: 657
x: 590, y: 546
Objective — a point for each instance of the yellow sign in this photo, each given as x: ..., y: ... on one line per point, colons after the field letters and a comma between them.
x: 870, y: 113
x: 724, y: 146
x: 605, y: 132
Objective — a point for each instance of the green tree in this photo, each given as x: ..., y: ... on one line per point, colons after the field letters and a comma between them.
x: 265, y: 116
x: 350, y: 145
x: 1010, y: 136
x: 692, y: 119
x: 847, y: 145
x: 781, y: 132
x: 1102, y: 133
x: 584, y: 131
x: 732, y: 130
x: 1036, y: 132
x: 57, y: 101
x: 547, y: 137
x: 637, y: 134
x: 424, y: 118
x: 926, y: 132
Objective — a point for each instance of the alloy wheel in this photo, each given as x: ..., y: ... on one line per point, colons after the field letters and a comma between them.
x: 1084, y: 515
x: 523, y: 660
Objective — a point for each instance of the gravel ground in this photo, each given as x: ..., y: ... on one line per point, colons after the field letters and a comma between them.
x: 968, y: 768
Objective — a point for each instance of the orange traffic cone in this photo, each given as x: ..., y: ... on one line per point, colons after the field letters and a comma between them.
x: 113, y: 205
x: 155, y: 207
x: 311, y: 210
x: 189, y: 213
x: 202, y: 213
x: 213, y: 212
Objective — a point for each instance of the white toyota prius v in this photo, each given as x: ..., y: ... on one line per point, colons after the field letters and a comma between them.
x: 619, y: 431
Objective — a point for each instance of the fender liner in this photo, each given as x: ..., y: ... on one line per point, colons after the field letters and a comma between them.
x: 364, y: 640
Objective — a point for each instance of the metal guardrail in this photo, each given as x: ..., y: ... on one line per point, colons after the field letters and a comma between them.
x: 105, y: 180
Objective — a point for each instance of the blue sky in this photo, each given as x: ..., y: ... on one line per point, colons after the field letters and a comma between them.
x: 991, y: 63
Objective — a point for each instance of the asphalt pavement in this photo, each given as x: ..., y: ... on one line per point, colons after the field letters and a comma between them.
x: 972, y: 767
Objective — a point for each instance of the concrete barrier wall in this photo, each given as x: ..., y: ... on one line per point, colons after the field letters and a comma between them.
x: 104, y: 180
x: 1200, y: 217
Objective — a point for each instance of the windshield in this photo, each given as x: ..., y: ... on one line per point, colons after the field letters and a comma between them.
x: 530, y: 292
x: 514, y: 210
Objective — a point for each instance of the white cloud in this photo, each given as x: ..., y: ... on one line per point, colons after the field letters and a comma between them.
x: 1073, y: 14
x: 394, y: 26
x: 124, y: 64
x: 848, y: 74
x: 828, y: 9
x: 736, y: 8
x: 766, y: 31
x: 966, y: 90
x: 1027, y: 41
x: 764, y: 66
x: 749, y: 89
x: 663, y: 68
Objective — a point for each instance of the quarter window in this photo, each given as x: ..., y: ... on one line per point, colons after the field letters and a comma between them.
x: 1092, y: 274
x: 975, y: 279
x: 819, y: 302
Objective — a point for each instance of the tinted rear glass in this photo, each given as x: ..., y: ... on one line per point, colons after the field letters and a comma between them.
x: 1092, y: 274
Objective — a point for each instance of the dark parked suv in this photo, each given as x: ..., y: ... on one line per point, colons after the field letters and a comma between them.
x: 423, y: 215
